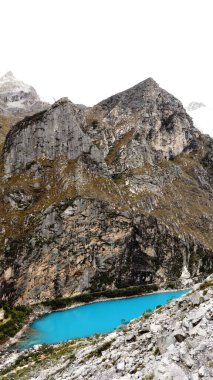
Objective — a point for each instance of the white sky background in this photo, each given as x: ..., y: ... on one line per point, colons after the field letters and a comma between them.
x: 90, y: 49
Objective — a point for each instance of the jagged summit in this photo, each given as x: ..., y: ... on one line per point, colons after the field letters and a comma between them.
x: 132, y: 94
x: 145, y: 96
x: 17, y: 97
x: 7, y: 77
x: 148, y: 82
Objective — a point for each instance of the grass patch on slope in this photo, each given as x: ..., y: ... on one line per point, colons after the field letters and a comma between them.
x: 14, y: 319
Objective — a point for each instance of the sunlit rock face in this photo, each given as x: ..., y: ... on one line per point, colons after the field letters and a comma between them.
x: 116, y: 195
x: 48, y: 135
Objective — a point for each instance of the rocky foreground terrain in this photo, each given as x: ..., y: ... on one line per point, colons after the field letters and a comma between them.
x: 172, y: 343
x: 107, y: 197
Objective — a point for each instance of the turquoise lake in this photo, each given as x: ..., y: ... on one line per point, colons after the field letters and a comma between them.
x: 87, y: 320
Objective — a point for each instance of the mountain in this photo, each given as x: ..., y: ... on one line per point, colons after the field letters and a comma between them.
x: 17, y: 100
x: 193, y: 106
x: 17, y: 96
x: 202, y: 116
x: 107, y: 197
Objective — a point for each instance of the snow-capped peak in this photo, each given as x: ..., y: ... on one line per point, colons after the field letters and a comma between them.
x: 195, y: 105
x: 16, y: 96
x: 7, y: 77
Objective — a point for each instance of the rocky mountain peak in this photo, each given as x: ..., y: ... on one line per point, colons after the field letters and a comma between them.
x: 106, y: 195
x: 133, y: 96
x: 143, y: 124
x: 146, y: 84
x: 7, y: 77
x: 18, y: 98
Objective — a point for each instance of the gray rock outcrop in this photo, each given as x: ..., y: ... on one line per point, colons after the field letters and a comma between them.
x: 49, y: 135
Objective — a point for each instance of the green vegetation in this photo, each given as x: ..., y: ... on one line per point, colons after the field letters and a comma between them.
x: 205, y: 285
x: 148, y: 377
x: 157, y: 351
x: 14, y: 319
x: 60, y: 303
x: 114, y: 151
x: 146, y: 314
x: 118, y: 178
x: 99, y: 350
x: 5, y: 123
x: 159, y: 309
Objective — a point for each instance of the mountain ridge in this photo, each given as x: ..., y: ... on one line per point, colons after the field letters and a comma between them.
x: 105, y: 197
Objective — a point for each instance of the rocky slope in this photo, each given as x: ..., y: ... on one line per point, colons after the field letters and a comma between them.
x: 106, y: 197
x: 174, y: 342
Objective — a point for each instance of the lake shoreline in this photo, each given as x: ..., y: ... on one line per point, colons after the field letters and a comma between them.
x: 47, y: 310
x: 115, y: 299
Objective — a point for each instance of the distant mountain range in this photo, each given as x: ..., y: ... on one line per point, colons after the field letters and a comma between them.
x: 17, y: 97
x: 202, y: 116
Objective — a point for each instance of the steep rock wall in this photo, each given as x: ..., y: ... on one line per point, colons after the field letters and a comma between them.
x: 49, y: 134
x: 86, y: 245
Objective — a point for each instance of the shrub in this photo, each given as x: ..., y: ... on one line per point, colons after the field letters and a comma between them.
x: 146, y: 315
x: 206, y: 285
x: 157, y: 351
x: 17, y: 316
x: 99, y: 350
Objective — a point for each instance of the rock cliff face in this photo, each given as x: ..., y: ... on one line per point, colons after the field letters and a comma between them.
x: 49, y: 134
x: 105, y: 197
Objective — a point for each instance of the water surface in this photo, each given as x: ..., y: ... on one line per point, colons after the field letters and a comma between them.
x: 87, y: 320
